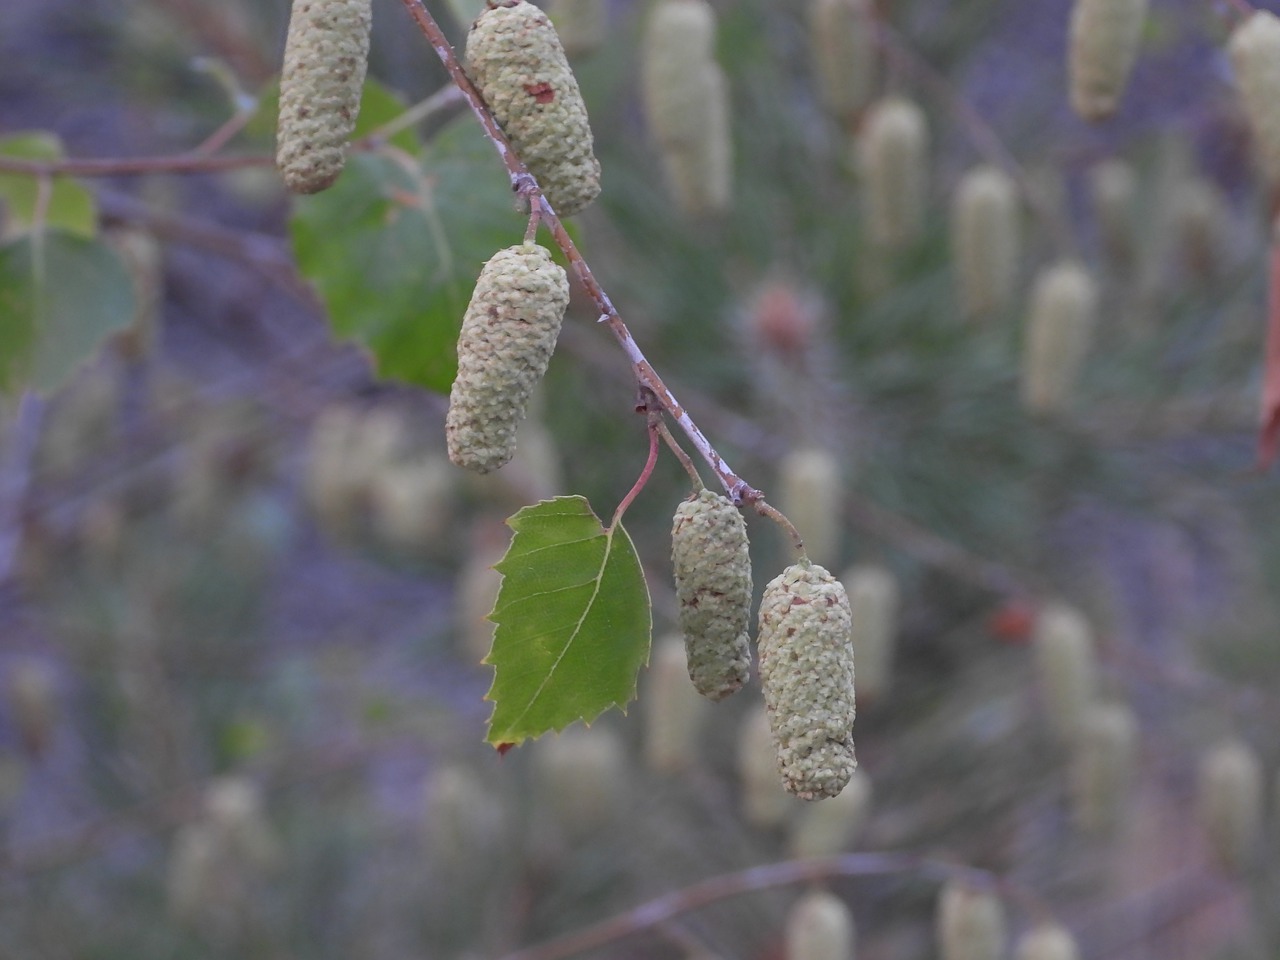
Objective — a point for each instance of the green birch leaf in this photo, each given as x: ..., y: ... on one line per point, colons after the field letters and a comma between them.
x: 71, y: 205
x: 61, y: 296
x: 573, y: 622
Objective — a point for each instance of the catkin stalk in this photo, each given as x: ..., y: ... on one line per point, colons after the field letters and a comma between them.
x: 508, y: 335
x: 985, y: 240
x: 517, y: 63
x: 1064, y: 306
x: 1104, y: 39
x: 326, y: 55
x: 1255, y: 56
x: 713, y: 586
x: 806, y: 671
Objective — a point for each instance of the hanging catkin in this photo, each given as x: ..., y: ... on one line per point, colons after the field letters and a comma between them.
x: 1102, y: 764
x: 1064, y: 305
x: 713, y: 585
x: 970, y: 923
x: 842, y: 42
x: 873, y: 602
x: 508, y: 334
x: 516, y: 61
x: 810, y: 491
x: 893, y: 156
x: 671, y: 710
x: 1104, y: 39
x: 985, y: 240
x: 1230, y: 802
x: 1046, y: 941
x: 820, y: 927
x: 326, y: 55
x: 1112, y: 189
x: 686, y: 104
x: 580, y: 25
x: 1066, y: 665
x: 1255, y: 57
x: 806, y: 671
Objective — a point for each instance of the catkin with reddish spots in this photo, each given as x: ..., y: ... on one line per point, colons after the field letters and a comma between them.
x: 713, y: 585
x: 508, y: 335
x: 326, y: 55
x: 806, y: 671
x: 1104, y: 39
x: 517, y: 63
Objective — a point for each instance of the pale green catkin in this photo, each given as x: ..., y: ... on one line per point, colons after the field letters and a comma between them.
x: 517, y: 63
x: 985, y: 240
x: 326, y: 55
x: 1102, y: 766
x: 1064, y: 306
x: 1066, y: 665
x: 461, y: 819
x: 508, y: 335
x: 970, y: 923
x: 1230, y: 802
x: 874, y: 601
x: 580, y: 781
x: 820, y: 927
x: 825, y: 829
x: 765, y: 804
x: 810, y: 491
x: 893, y: 155
x: 1255, y: 56
x: 1103, y: 45
x: 1112, y: 189
x: 713, y: 585
x: 806, y: 671
x: 671, y: 709
x: 686, y: 104
x: 1047, y: 941
x: 33, y: 703
x: 842, y: 44
x: 580, y: 25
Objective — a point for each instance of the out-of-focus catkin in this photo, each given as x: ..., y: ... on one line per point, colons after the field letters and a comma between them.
x: 686, y: 104
x: 810, y: 491
x: 1046, y: 941
x: 713, y: 586
x: 970, y: 923
x: 893, y: 157
x: 1103, y: 45
x: 765, y: 804
x: 1102, y: 766
x: 806, y: 672
x: 873, y: 603
x: 326, y: 55
x: 580, y: 780
x: 819, y: 927
x: 518, y: 65
x: 825, y: 829
x: 1064, y: 307
x: 580, y: 25
x: 508, y: 335
x: 672, y: 709
x: 985, y: 240
x: 477, y: 591
x: 1230, y: 802
x: 33, y: 704
x: 461, y: 819
x: 1255, y: 56
x: 1066, y: 665
x: 1112, y: 191
x: 842, y: 43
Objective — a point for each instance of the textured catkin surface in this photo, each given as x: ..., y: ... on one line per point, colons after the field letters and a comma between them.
x: 508, y: 335
x: 713, y: 585
x: 1105, y: 35
x: 325, y: 58
x: 1255, y: 57
x: 806, y: 670
x: 516, y: 61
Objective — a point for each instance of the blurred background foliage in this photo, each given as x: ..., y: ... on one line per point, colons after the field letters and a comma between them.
x: 242, y: 589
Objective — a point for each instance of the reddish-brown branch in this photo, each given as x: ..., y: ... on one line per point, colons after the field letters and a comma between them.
x: 523, y: 182
x: 662, y: 910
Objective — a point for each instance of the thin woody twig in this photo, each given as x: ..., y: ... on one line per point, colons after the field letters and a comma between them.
x: 678, y: 452
x: 523, y: 182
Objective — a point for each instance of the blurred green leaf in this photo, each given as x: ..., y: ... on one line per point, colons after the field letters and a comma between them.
x: 379, y: 105
x: 60, y: 297
x: 394, y: 249
x: 573, y: 621
x: 71, y: 205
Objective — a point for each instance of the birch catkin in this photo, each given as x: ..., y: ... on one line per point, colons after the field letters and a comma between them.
x: 1046, y: 941
x: 1064, y: 305
x: 810, y: 490
x: 1230, y: 802
x: 806, y: 671
x: 517, y: 63
x: 713, y: 585
x: 765, y: 803
x: 873, y: 602
x: 970, y: 923
x: 825, y: 829
x: 508, y: 335
x: 985, y: 240
x: 1066, y: 665
x: 1104, y: 39
x: 842, y: 41
x: 820, y: 927
x: 893, y: 154
x: 1255, y: 57
x: 672, y: 710
x: 1105, y: 753
x: 326, y: 55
